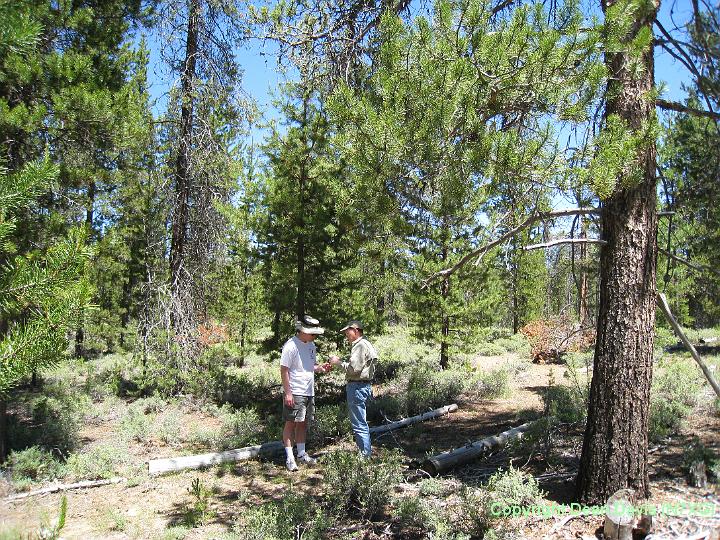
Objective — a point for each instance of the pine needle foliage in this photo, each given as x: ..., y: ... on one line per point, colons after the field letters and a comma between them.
x: 42, y: 296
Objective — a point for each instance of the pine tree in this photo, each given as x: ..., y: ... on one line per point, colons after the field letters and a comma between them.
x: 41, y: 298
x: 303, y: 240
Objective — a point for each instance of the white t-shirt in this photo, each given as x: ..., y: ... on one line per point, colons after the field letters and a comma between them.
x: 299, y: 357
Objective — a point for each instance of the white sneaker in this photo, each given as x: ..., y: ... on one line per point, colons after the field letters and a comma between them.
x: 307, y: 460
x: 291, y: 465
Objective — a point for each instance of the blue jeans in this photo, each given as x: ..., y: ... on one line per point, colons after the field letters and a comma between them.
x: 358, y: 394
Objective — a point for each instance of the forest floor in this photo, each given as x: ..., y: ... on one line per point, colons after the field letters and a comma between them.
x: 150, y: 507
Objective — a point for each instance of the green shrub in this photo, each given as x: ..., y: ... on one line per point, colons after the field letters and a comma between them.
x: 198, y: 511
x: 55, y: 421
x: 566, y: 403
x: 429, y: 388
x: 167, y: 427
x: 493, y: 333
x: 675, y: 392
x: 294, y: 516
x: 136, y: 425
x: 483, y: 509
x: 433, y: 487
x: 664, y: 337
x: 491, y: 349
x: 245, y: 386
x: 221, y: 354
x: 415, y: 513
x: 493, y: 384
x: 96, y: 463
x: 398, y: 349
x: 388, y: 407
x: 697, y: 451
x: 35, y: 464
x: 239, y: 427
x: 666, y: 417
x: 517, y: 343
x: 360, y: 486
x: 330, y: 422
x: 206, y: 437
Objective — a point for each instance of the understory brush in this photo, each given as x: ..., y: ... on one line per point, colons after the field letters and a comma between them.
x: 33, y: 464
x: 675, y: 392
x: 293, y: 516
x: 50, y: 420
x: 358, y: 486
x: 422, y: 518
x: 485, y: 512
x: 98, y: 462
x: 698, y: 452
x: 330, y: 423
x: 355, y: 488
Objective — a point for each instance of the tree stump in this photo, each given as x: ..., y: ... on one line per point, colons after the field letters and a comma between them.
x: 698, y: 475
x: 619, y: 516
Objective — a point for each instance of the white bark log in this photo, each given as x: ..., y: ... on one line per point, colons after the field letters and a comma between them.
x: 413, y: 419
x: 161, y: 466
x: 66, y: 487
x: 166, y: 465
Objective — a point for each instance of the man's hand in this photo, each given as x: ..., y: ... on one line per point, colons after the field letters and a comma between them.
x: 289, y: 401
x: 334, y: 360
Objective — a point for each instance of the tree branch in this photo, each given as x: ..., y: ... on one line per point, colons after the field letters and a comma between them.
x: 566, y: 241
x: 532, y: 218
x: 698, y: 267
x: 679, y: 107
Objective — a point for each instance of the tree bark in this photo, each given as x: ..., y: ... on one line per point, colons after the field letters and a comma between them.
x: 3, y: 430
x: 615, y: 445
x: 445, y: 292
x: 302, y: 187
x: 182, y: 162
x: 89, y: 219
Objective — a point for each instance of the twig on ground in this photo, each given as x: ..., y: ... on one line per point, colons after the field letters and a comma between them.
x: 66, y: 487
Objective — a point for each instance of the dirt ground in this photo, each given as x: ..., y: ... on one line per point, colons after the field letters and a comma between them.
x: 150, y: 508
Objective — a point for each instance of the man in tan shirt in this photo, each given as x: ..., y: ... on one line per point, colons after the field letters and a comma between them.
x: 359, y: 373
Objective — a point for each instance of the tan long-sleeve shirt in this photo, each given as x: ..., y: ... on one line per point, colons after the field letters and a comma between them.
x: 361, y: 367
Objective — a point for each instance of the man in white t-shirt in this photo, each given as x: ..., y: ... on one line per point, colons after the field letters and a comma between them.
x: 297, y: 370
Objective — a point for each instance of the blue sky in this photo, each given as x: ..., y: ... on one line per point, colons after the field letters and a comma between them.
x: 261, y: 76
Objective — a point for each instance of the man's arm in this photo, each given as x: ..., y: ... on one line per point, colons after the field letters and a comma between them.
x: 355, y: 365
x: 285, y: 376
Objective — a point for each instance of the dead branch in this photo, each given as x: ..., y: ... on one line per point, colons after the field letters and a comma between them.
x: 66, y: 487
x: 678, y: 107
x: 532, y: 218
x: 694, y: 266
x: 566, y: 241
x: 664, y: 306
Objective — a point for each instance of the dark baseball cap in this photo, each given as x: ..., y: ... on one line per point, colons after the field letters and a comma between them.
x: 352, y: 324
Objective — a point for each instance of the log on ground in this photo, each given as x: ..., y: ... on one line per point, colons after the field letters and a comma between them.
x: 161, y: 466
x: 459, y: 456
x: 166, y: 465
x: 413, y: 419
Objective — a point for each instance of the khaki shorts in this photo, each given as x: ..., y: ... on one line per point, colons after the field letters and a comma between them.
x: 303, y: 409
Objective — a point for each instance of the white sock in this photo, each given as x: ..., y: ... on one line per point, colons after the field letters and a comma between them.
x: 289, y: 453
x: 301, y: 448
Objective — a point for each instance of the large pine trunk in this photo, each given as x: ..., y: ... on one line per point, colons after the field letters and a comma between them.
x: 181, y: 214
x: 615, y: 445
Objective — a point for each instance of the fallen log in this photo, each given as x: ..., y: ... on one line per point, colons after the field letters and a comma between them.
x: 66, y: 487
x: 447, y: 460
x: 166, y: 465
x: 665, y: 307
x: 161, y: 466
x: 413, y: 419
